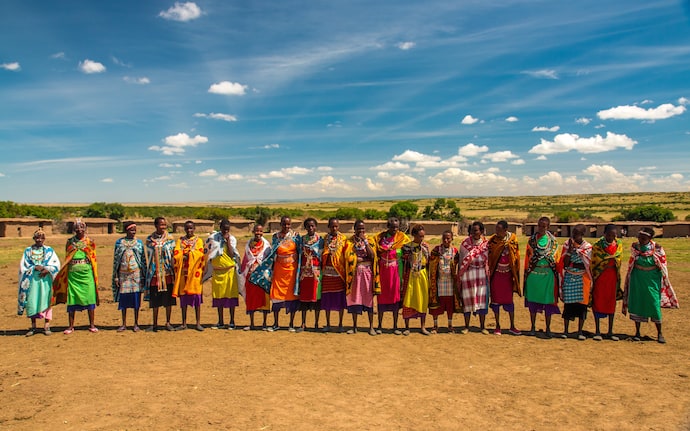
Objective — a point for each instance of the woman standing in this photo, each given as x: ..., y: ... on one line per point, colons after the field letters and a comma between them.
x: 443, y: 271
x: 473, y: 275
x: 415, y: 295
x: 362, y: 276
x: 504, y: 274
x: 222, y: 264
x: 279, y: 272
x: 39, y: 265
x: 607, y: 254
x: 255, y: 298
x: 129, y: 274
x: 160, y: 274
x: 189, y: 261
x: 389, y: 254
x: 647, y: 287
x: 333, y: 279
x: 541, y: 276
x: 574, y: 267
x: 310, y: 251
x: 76, y: 283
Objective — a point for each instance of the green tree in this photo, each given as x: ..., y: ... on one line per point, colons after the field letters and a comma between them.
x: 374, y: 214
x: 349, y: 213
x: 649, y: 213
x: 404, y: 210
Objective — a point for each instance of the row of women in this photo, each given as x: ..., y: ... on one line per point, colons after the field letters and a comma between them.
x: 337, y: 273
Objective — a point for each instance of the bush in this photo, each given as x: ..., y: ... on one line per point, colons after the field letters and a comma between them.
x: 567, y: 216
x: 405, y: 210
x: 372, y: 214
x: 349, y: 213
x: 649, y: 213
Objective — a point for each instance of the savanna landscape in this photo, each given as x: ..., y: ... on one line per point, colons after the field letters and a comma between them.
x: 235, y: 379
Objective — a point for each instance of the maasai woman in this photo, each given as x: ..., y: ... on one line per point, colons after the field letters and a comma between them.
x: 333, y: 274
x: 607, y: 254
x: 574, y: 268
x: 279, y: 272
x: 647, y: 287
x: 39, y: 265
x: 389, y: 253
x: 190, y: 263
x: 76, y: 283
x: 415, y: 295
x: 443, y: 271
x: 255, y: 298
x: 160, y: 272
x: 504, y: 274
x: 362, y: 278
x: 129, y: 274
x: 541, y: 276
x: 222, y: 264
x: 310, y: 247
x: 473, y: 275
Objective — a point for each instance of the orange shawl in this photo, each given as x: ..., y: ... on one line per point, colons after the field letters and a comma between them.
x: 195, y: 269
x: 496, y: 247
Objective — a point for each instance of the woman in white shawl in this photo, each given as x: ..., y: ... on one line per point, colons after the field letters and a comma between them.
x: 255, y: 298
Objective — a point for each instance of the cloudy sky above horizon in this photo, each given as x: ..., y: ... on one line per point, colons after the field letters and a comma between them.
x: 164, y: 101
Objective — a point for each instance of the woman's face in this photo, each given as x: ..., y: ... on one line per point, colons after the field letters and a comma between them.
x: 161, y: 227
x: 643, y: 239
x: 334, y: 227
x: 189, y: 229
x: 79, y: 229
x: 577, y: 236
x: 258, y: 232
x: 418, y: 237
x: 611, y: 235
x: 359, y: 230
x: 447, y: 239
x: 131, y: 231
x: 476, y: 232
x: 285, y: 225
x: 393, y: 227
x: 39, y: 240
x: 542, y: 227
x: 500, y: 231
x: 311, y: 228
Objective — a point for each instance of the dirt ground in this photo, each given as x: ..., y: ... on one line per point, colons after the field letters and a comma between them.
x: 222, y: 379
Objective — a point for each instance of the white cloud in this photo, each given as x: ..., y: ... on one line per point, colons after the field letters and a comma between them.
x: 228, y: 88
x: 176, y: 144
x: 286, y: 172
x: 406, y: 45
x: 58, y: 55
x: 356, y: 177
x: 631, y: 112
x: 181, y: 185
x: 120, y: 62
x: 13, y: 67
x: 583, y: 120
x: 684, y: 101
x: 542, y: 157
x: 208, y: 173
x: 374, y: 187
x: 134, y: 80
x: 271, y: 146
x: 546, y: 129
x: 647, y: 168
x: 500, y: 156
x: 230, y: 177
x: 472, y: 150
x: 391, y: 166
x: 543, y: 73
x: 383, y: 175
x: 610, y: 179
x: 169, y: 165
x: 217, y: 116
x: 1, y: 175
x: 89, y: 66
x: 646, y: 102
x: 517, y: 162
x: 198, y: 162
x: 599, y: 126
x: 464, y: 177
x: 468, y: 119
x: 415, y: 157
x: 570, y: 142
x: 336, y: 124
x: 512, y: 119
x: 182, y: 12
x: 325, y: 184
x: 405, y: 182
x: 107, y: 180
x: 324, y: 169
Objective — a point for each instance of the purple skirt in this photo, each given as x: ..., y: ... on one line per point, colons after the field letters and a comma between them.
x: 225, y: 302
x: 289, y: 306
x: 129, y: 300
x: 358, y: 309
x: 333, y: 301
x: 73, y: 308
x: 548, y: 309
x: 191, y: 300
x: 389, y: 307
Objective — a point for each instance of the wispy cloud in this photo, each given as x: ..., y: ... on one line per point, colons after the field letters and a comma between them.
x: 107, y: 180
x: 134, y: 80
x: 119, y: 62
x: 285, y: 172
x: 583, y: 120
x: 228, y: 88
x: 58, y: 56
x: 177, y: 144
x: 512, y: 119
x: 632, y: 112
x: 546, y: 129
x: 12, y: 67
x: 500, y: 156
x: 391, y: 166
x: 208, y: 173
x: 181, y: 12
x: 543, y: 73
x: 170, y: 165
x: 406, y: 45
x: 89, y: 66
x: 570, y: 142
x: 217, y: 116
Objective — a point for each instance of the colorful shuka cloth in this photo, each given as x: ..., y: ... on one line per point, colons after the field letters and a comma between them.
x: 473, y: 274
x: 278, y: 274
x: 129, y: 268
x: 333, y: 273
x: 541, y: 275
x: 35, y: 292
x: 443, y: 269
x: 606, y: 265
x: 389, y: 253
x: 189, y: 259
x: 76, y: 282
x: 504, y: 268
x: 362, y: 276
x: 415, y: 294
x: 647, y: 287
x: 310, y: 250
x: 255, y: 297
x: 222, y: 267
x: 576, y: 282
x: 159, y: 266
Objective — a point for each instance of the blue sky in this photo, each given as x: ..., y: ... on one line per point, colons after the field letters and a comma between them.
x: 158, y: 101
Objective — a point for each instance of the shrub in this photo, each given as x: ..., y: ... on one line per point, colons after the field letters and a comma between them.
x: 405, y: 210
x: 649, y: 213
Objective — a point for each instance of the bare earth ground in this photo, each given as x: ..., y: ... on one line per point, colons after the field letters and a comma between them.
x: 222, y: 379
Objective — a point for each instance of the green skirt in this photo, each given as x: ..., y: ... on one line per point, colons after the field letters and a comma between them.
x: 539, y: 286
x: 81, y: 288
x: 644, y: 296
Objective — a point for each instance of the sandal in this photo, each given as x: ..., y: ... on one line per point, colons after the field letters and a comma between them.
x: 93, y: 330
x: 47, y: 331
x: 372, y: 332
x: 30, y: 332
x: 68, y: 331
x: 122, y: 328
x: 406, y: 332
